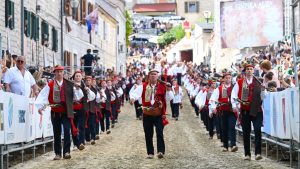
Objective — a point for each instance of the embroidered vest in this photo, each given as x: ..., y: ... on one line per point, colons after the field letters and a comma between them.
x: 224, y: 97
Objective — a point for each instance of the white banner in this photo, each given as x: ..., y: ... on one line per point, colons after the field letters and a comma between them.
x: 1, y: 118
x: 20, y: 120
x: 30, y: 121
x: 15, y: 107
x: 293, y: 105
x: 47, y: 124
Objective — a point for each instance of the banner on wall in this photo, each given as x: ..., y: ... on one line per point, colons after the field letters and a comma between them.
x: 256, y: 23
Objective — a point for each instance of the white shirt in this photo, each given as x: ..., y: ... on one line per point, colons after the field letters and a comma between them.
x: 234, y: 93
x: 43, y: 96
x: 19, y: 84
x: 137, y: 93
x: 132, y: 92
x: 177, y: 97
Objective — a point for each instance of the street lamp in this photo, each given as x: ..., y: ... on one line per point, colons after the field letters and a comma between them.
x: 74, y: 3
x: 207, y: 15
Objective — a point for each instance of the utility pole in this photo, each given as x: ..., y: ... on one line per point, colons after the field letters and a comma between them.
x: 22, y: 27
x: 62, y: 32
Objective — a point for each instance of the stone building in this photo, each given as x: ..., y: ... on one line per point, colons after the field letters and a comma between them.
x: 43, y: 27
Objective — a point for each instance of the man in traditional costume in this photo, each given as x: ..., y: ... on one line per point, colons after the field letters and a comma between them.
x: 154, y: 95
x: 59, y: 93
x: 220, y: 104
x: 246, y: 95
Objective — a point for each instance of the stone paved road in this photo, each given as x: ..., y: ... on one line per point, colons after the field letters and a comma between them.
x: 187, y: 146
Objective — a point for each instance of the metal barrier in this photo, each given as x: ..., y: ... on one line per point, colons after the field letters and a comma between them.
x: 277, y: 142
x: 7, y: 149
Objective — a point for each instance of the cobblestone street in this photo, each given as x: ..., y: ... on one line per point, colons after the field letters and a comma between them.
x: 187, y: 146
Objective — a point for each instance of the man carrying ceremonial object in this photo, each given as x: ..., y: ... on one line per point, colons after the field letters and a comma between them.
x: 154, y: 94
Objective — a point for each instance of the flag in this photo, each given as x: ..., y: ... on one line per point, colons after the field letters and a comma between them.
x: 92, y: 20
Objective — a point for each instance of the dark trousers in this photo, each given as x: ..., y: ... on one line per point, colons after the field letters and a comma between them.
x: 211, y: 125
x: 228, y: 126
x: 179, y: 78
x: 105, y: 114
x: 148, y: 123
x: 246, y: 126
x: 98, y: 121
x: 205, y: 115
x: 218, y: 123
x: 79, y: 122
x: 195, y: 107
x: 172, y: 108
x: 138, y: 112
x: 114, y: 113
x: 90, y: 132
x: 176, y: 109
x: 59, y: 119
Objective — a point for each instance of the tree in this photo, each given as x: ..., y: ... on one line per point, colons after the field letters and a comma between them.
x: 129, y: 27
x: 176, y: 33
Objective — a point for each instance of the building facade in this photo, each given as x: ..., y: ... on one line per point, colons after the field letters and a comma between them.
x: 193, y: 10
x: 43, y: 27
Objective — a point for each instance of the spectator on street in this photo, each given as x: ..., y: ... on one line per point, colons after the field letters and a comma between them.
x: 87, y: 60
x: 18, y: 80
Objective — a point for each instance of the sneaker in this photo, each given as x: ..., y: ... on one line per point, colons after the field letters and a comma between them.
x: 57, y: 157
x: 234, y: 149
x: 176, y: 118
x: 160, y: 155
x: 248, y: 158
x: 97, y: 137
x: 108, y: 132
x: 210, y: 138
x: 67, y: 156
x: 141, y: 118
x: 258, y: 157
x: 224, y: 150
x: 93, y: 142
x: 81, y: 147
x: 112, y: 126
x: 150, y: 156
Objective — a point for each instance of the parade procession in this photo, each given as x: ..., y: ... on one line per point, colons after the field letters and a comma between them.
x: 150, y: 84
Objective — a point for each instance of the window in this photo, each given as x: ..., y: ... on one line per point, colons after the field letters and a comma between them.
x: 67, y: 8
x: 191, y: 7
x: 35, y: 27
x: 45, y: 33
x: 83, y: 12
x: 54, y: 40
x: 9, y: 14
x: 104, y: 30
x: 27, y: 23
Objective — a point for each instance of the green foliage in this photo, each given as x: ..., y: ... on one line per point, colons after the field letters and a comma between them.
x: 129, y: 27
x: 176, y: 33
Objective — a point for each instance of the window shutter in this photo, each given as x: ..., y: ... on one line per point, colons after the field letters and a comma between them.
x: 45, y: 33
x: 33, y: 26
x: 27, y: 23
x: 84, y: 14
x: 186, y: 7
x: 197, y: 6
x: 12, y: 14
x: 6, y: 12
x: 54, y: 40
x: 37, y: 30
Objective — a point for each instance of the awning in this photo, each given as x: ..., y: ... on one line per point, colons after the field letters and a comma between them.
x: 155, y: 7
